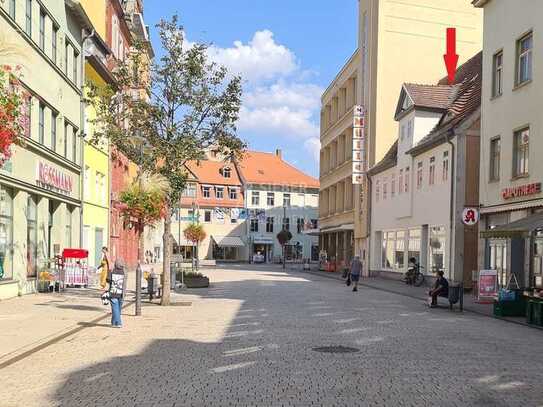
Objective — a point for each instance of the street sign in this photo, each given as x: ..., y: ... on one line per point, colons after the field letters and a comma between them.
x: 470, y: 216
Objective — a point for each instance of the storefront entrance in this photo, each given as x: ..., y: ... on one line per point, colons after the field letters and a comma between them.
x: 262, y: 253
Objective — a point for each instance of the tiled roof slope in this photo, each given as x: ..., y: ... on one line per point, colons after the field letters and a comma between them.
x: 431, y: 96
x: 270, y: 169
x: 207, y: 172
x: 465, y: 102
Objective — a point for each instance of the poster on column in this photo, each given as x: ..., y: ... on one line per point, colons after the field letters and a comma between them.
x: 488, y: 284
x: 359, y: 145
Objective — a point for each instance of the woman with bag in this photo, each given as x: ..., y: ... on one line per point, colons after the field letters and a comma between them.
x: 117, y: 287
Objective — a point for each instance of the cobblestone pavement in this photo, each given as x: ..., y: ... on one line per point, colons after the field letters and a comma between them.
x: 249, y: 339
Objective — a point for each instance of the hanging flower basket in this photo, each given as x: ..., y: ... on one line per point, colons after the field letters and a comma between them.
x: 13, y: 121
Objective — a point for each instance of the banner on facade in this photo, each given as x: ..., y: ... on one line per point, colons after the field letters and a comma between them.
x: 487, y: 284
x: 359, y: 144
x: 53, y: 178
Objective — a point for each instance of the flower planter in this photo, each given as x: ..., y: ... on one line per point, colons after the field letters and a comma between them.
x: 196, y: 282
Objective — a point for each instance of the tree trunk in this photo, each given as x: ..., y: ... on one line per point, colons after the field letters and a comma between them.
x: 141, y: 249
x: 167, y: 253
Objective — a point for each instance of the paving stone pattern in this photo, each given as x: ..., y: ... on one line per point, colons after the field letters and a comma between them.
x: 249, y: 339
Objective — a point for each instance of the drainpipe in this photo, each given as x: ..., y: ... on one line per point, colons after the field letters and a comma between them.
x: 85, y: 37
x: 451, y: 208
x: 368, y: 217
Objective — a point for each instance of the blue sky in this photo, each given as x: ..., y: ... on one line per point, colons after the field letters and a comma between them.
x: 287, y: 52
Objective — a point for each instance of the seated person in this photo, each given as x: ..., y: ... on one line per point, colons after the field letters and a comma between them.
x: 440, y: 288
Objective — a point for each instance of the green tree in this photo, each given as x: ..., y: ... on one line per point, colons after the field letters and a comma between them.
x: 166, y: 112
x: 283, y: 237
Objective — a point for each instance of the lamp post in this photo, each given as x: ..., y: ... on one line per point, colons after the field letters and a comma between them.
x: 284, y: 228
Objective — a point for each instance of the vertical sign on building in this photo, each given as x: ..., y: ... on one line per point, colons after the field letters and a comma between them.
x: 359, y: 145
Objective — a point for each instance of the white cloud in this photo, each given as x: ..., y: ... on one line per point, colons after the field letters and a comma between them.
x: 260, y: 59
x: 295, y: 96
x: 313, y: 146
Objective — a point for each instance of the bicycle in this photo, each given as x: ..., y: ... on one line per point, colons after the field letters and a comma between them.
x: 414, y: 276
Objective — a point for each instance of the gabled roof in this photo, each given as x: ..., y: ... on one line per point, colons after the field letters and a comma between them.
x: 207, y: 172
x: 270, y: 169
x: 389, y: 160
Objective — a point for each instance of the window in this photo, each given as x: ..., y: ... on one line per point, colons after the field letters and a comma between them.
x: 406, y: 185
x: 42, y: 30
x: 413, y: 244
x: 286, y: 223
x: 495, y: 151
x: 6, y: 235
x: 388, y: 247
x: 68, y: 237
x: 66, y: 54
x: 54, y: 118
x: 65, y: 139
x: 436, y: 251
x: 419, y: 175
x: 75, y: 64
x: 190, y: 190
x: 497, y: 74
x: 399, y: 251
x: 432, y: 171
x: 31, y: 236
x: 385, y: 189
x: 400, y: 182
x: 41, y: 124
x: 29, y: 17
x: 28, y: 113
x: 271, y: 199
x: 219, y: 192
x: 409, y: 127
x: 12, y: 9
x: 206, y: 192
x: 207, y: 216
x: 54, y: 39
x: 226, y: 172
x: 445, y: 174
x: 377, y: 190
x: 255, y: 198
x: 524, y: 59
x: 269, y: 224
x: 300, y: 225
x: 286, y: 200
x: 402, y: 132
x: 233, y: 193
x: 254, y: 225
x: 393, y: 186
x: 74, y: 146
x: 521, y: 152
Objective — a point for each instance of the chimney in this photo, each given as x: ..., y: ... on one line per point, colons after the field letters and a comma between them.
x: 278, y: 153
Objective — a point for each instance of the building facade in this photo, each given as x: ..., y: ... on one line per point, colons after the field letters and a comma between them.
x: 278, y: 196
x: 511, y: 173
x: 386, y: 31
x: 40, y: 186
x: 428, y: 178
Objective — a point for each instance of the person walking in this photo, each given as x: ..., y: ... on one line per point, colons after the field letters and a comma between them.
x: 355, y: 271
x: 104, y: 267
x: 117, y: 287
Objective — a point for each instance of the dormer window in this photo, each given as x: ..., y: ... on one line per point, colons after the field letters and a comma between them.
x: 226, y: 172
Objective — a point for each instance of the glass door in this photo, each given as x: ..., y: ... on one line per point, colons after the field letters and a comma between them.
x: 31, y: 237
x: 498, y: 259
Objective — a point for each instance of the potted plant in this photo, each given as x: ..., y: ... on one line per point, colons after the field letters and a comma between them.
x: 193, y: 279
x: 195, y: 233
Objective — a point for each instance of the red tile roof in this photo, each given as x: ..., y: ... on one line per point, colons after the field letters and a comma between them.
x: 207, y: 172
x: 270, y: 169
x: 431, y: 96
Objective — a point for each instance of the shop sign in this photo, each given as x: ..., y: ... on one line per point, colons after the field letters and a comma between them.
x: 470, y: 216
x: 359, y: 144
x: 53, y: 178
x: 488, y: 284
x: 524, y: 190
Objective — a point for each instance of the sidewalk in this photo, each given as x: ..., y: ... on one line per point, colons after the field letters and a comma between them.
x: 420, y: 293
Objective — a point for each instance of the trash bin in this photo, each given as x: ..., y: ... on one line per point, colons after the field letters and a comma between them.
x: 152, y: 285
x: 538, y: 313
x: 530, y: 311
x: 456, y: 292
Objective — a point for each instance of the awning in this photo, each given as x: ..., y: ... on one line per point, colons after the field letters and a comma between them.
x: 516, y: 206
x: 228, y: 241
x: 338, y: 228
x: 519, y: 228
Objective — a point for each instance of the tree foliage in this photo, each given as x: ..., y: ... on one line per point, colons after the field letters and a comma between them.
x: 283, y: 237
x: 194, y: 233
x: 13, y: 121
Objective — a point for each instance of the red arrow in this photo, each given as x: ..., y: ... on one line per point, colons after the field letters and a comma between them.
x: 451, y: 57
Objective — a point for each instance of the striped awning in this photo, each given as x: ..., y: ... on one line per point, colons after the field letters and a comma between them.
x: 228, y: 241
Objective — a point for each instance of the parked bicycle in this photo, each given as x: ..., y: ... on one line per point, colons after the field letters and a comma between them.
x: 414, y: 275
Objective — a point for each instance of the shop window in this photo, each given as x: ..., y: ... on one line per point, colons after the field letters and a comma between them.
x: 495, y: 151
x: 255, y: 198
x: 271, y: 199
x: 436, y: 250
x: 399, y: 251
x: 219, y: 192
x: 524, y: 59
x: 6, y: 234
x: 388, y: 247
x: 254, y: 225
x: 521, y: 152
x: 413, y: 244
x: 31, y: 236
x: 269, y: 224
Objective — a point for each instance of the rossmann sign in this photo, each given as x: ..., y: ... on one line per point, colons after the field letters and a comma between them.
x: 524, y: 190
x: 52, y: 178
